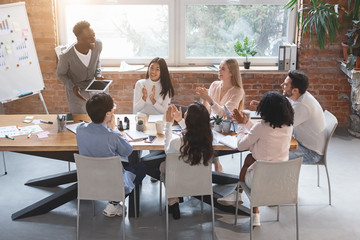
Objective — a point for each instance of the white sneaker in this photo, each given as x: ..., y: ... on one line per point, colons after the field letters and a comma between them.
x: 112, y: 210
x: 256, y: 220
x: 230, y: 200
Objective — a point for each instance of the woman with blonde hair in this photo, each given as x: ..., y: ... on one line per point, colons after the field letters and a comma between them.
x: 227, y: 92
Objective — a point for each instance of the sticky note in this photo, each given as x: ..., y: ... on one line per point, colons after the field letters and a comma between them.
x: 25, y: 32
x: 16, y: 26
x: 29, y: 117
x: 8, y: 48
x: 27, y: 121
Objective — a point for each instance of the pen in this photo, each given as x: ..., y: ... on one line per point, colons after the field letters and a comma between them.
x: 28, y: 136
x: 9, y: 137
x: 48, y: 122
x: 17, y: 126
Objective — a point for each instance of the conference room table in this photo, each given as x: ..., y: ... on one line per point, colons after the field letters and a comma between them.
x: 62, y: 146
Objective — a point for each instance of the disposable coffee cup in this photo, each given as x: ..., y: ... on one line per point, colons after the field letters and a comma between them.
x: 159, y: 127
x: 61, y: 121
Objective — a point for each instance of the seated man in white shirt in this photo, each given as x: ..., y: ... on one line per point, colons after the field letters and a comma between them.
x: 309, y: 120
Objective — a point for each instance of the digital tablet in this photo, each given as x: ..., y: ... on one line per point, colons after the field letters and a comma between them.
x: 98, y: 85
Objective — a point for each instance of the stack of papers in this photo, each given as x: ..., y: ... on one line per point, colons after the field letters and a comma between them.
x: 124, y: 67
x: 135, y: 135
x: 155, y: 118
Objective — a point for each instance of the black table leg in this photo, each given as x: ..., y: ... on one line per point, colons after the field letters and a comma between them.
x: 47, y: 204
x: 53, y: 180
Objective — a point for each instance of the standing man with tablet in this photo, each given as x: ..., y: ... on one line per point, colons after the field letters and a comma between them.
x: 79, y: 65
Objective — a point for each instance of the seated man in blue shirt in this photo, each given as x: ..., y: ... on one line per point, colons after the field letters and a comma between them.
x: 100, y: 138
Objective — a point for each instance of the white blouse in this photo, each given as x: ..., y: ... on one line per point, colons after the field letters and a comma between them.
x: 147, y: 107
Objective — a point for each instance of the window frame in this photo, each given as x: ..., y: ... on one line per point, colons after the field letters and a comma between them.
x: 176, y: 55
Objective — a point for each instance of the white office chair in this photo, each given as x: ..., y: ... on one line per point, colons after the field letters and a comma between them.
x: 100, y: 179
x: 274, y: 183
x: 182, y: 179
x: 330, y: 125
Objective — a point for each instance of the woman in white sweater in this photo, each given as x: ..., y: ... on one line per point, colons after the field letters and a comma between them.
x: 194, y: 143
x: 268, y: 140
x: 153, y: 94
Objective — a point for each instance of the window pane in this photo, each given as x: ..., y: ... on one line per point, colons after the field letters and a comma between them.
x: 127, y: 31
x: 212, y: 30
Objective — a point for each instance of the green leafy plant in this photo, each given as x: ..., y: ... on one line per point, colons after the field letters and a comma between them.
x: 140, y: 122
x: 245, y: 48
x: 322, y: 19
x: 353, y: 43
x: 217, y: 119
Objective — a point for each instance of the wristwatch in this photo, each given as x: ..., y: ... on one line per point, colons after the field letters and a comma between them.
x: 211, y: 103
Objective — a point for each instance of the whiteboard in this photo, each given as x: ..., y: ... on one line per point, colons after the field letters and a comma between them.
x: 19, y: 66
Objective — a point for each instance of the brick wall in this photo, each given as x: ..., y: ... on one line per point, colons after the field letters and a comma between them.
x: 326, y: 79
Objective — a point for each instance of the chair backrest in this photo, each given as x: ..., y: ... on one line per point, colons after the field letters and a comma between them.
x: 182, y: 179
x: 100, y: 178
x: 275, y: 183
x: 330, y: 125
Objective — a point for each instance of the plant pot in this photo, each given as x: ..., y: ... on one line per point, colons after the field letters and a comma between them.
x: 345, y: 50
x: 140, y: 127
x: 218, y: 127
x: 357, y: 63
x: 247, y: 65
x: 226, y: 125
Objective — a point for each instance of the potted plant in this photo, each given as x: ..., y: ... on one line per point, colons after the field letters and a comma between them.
x: 354, y: 45
x: 323, y: 18
x: 140, y: 125
x: 245, y: 48
x: 217, y: 125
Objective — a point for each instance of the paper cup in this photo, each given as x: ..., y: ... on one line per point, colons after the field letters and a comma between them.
x: 159, y: 127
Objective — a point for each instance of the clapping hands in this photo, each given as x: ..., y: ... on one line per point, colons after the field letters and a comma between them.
x: 239, y: 117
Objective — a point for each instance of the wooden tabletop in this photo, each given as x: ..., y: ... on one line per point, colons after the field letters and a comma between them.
x: 66, y: 141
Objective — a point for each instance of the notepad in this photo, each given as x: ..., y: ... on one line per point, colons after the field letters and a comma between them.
x: 135, y: 135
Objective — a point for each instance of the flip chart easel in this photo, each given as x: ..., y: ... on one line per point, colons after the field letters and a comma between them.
x: 20, y: 73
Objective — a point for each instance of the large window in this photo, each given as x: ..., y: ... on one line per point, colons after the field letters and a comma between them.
x: 181, y: 31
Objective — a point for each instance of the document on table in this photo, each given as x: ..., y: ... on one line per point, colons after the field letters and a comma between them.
x: 72, y: 127
x: 12, y: 131
x: 229, y: 141
x: 154, y: 118
x: 135, y: 135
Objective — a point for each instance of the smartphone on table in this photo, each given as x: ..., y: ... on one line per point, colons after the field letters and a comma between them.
x: 150, y: 139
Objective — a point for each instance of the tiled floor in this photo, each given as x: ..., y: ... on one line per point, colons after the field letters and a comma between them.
x: 317, y: 220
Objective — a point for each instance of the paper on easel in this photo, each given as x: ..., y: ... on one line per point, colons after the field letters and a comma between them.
x: 124, y: 67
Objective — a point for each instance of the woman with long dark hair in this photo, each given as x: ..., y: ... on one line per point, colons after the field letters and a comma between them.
x: 153, y: 94
x: 194, y: 143
x: 268, y: 140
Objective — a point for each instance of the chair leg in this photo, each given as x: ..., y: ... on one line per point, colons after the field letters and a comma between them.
x: 240, y: 160
x: 297, y: 222
x: 123, y: 219
x: 3, y: 153
x: 135, y: 207
x: 318, y: 176
x: 237, y: 203
x: 93, y: 207
x: 328, y: 178
x: 167, y: 218
x: 160, y: 200
x: 251, y: 222
x: 212, y: 216
x: 202, y: 204
x: 278, y: 213
x: 78, y: 221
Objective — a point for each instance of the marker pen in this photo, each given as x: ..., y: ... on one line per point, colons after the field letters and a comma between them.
x: 28, y: 136
x: 9, y: 137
